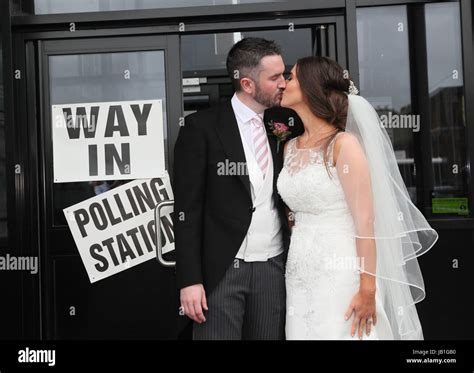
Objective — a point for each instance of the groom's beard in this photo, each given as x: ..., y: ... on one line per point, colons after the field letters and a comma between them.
x: 266, y: 99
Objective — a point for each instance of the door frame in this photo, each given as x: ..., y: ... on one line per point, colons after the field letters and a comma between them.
x: 33, y: 93
x: 343, y: 31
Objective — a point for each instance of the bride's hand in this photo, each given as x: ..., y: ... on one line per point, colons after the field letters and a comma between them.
x: 363, y: 307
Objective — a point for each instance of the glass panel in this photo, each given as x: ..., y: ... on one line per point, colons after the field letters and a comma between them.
x: 384, y: 66
x: 205, y: 56
x: 448, y: 122
x: 103, y: 77
x: 62, y: 6
x: 3, y: 177
x: 209, y: 51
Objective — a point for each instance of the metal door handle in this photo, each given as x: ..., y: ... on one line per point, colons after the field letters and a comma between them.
x: 159, y: 249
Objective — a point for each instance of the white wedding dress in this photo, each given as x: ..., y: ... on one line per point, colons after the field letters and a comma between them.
x: 321, y: 271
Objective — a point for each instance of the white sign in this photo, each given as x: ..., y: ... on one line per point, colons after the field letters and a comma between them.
x: 108, y: 141
x: 115, y: 230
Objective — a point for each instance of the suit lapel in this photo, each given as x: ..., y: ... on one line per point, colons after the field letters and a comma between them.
x: 228, y: 132
x: 273, y: 146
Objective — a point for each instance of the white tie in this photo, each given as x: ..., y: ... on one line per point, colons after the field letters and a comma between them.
x: 260, y: 143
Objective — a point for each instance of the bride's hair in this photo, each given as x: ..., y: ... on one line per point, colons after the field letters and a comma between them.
x: 325, y: 84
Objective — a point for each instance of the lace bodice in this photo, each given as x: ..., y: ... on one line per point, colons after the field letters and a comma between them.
x: 305, y: 185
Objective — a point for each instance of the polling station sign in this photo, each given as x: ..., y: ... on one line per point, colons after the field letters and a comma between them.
x: 115, y: 230
x: 108, y: 141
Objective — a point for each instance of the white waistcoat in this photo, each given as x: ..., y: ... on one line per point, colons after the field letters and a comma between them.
x: 264, y: 237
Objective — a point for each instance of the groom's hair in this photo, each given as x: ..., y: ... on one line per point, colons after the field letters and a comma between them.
x: 244, y: 58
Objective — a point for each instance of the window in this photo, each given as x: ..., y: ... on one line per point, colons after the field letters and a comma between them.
x: 103, y: 77
x: 384, y: 45
x: 447, y: 116
x: 204, y: 56
x: 384, y: 67
x: 209, y: 51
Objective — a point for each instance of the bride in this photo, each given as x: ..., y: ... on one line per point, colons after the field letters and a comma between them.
x: 352, y: 270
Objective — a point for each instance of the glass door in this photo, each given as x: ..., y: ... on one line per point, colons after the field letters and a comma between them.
x: 139, y: 302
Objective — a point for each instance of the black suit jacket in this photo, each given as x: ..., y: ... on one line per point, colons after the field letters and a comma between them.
x: 212, y: 212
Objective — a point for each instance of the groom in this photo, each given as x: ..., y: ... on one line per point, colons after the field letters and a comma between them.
x: 231, y: 235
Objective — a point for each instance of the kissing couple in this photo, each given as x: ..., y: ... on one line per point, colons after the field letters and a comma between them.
x: 318, y: 238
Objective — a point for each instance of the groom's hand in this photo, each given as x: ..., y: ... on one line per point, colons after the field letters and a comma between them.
x: 193, y: 301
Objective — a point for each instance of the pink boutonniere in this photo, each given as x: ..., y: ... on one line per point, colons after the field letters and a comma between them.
x: 280, y: 131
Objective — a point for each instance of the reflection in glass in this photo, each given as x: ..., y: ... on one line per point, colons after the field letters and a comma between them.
x: 384, y: 67
x: 69, y: 6
x: 209, y: 51
x: 103, y: 77
x: 448, y: 122
x: 204, y: 56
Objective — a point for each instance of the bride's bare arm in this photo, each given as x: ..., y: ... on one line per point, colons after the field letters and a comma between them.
x: 354, y: 175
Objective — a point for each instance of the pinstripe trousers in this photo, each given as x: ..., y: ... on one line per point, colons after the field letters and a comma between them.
x: 249, y: 303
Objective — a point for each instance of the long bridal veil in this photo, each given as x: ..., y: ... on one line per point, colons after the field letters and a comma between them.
x: 399, y: 230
